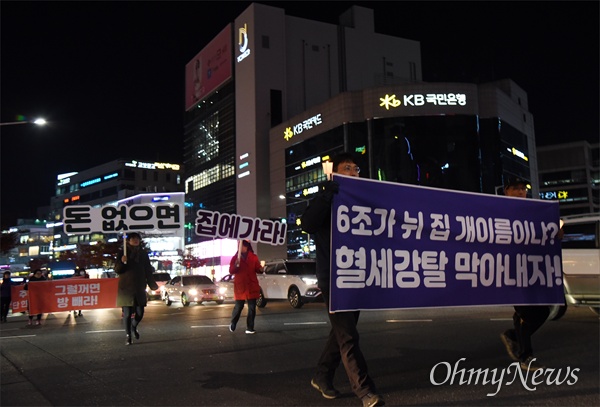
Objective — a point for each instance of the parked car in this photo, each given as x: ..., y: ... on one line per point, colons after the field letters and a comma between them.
x: 294, y: 280
x: 226, y: 286
x: 161, y: 279
x: 188, y: 289
x: 581, y: 263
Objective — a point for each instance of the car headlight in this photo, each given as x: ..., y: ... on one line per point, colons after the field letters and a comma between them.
x: 193, y: 291
x: 309, y: 280
x: 222, y: 290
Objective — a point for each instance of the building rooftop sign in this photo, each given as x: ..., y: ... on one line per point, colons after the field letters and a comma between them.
x: 307, y: 124
x: 414, y: 100
x: 153, y: 166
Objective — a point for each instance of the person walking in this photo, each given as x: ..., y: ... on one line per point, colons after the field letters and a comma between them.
x: 38, y: 275
x: 527, y: 319
x: 343, y: 342
x: 135, y: 272
x: 5, y: 296
x: 245, y: 266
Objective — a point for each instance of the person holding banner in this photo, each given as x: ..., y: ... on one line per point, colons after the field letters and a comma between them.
x: 5, y: 295
x: 527, y: 319
x: 343, y: 342
x: 245, y: 265
x: 38, y: 275
x: 135, y: 272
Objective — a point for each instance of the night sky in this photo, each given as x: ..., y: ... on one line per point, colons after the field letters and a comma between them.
x: 109, y: 76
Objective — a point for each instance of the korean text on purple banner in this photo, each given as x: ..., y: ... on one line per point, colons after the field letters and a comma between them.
x: 225, y: 225
x: 401, y: 246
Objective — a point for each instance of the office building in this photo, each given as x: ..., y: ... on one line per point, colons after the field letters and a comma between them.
x: 273, y: 95
x: 570, y: 174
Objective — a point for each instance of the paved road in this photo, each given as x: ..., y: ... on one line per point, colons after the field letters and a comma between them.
x: 187, y: 356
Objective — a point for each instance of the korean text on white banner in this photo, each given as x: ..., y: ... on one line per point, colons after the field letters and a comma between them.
x: 233, y: 226
x: 401, y: 246
x: 83, y: 219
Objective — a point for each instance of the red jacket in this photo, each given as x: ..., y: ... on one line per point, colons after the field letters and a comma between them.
x: 245, y: 284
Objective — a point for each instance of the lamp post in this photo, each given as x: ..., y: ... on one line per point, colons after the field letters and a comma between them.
x: 37, y: 122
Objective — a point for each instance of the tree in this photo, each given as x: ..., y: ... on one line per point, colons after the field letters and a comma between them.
x: 190, y: 262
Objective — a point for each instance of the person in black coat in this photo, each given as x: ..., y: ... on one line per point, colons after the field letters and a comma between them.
x: 135, y: 272
x: 6, y: 295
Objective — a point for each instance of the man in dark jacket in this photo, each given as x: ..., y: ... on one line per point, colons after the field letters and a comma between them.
x: 5, y: 295
x: 527, y: 319
x: 343, y: 341
x: 135, y: 272
x: 38, y: 275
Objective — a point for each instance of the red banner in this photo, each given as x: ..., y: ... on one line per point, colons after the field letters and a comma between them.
x: 18, y: 295
x: 69, y: 294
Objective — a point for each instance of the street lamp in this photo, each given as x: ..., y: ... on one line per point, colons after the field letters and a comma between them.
x: 37, y: 122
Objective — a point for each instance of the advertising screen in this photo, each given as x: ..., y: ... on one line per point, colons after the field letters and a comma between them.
x: 209, y: 69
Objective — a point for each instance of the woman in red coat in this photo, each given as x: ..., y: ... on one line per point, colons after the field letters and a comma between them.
x: 245, y: 285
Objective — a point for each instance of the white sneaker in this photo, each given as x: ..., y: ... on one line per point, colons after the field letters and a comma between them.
x: 250, y: 331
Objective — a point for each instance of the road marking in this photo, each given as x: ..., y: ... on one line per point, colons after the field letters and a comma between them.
x: 19, y: 336
x: 209, y: 326
x: 409, y: 320
x: 107, y: 330
x: 305, y: 323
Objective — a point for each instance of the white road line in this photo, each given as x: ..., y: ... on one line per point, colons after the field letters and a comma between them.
x: 209, y: 326
x: 108, y: 330
x: 19, y: 336
x: 409, y: 320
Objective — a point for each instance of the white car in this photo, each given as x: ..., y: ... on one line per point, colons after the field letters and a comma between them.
x: 581, y: 263
x: 188, y: 289
x: 226, y: 286
x: 294, y: 280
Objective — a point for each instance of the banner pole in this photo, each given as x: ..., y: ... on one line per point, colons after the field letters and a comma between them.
x: 125, y: 245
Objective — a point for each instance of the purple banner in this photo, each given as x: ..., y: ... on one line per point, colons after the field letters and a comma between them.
x: 402, y: 246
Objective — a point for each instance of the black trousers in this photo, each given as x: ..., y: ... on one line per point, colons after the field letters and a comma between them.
x: 343, y: 346
x: 5, y: 304
x: 128, y: 311
x: 237, y: 313
x: 527, y: 319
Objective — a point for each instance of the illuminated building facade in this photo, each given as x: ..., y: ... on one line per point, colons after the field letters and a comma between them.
x: 272, y: 95
x: 570, y: 174
x: 457, y: 136
x: 258, y: 71
x: 114, y: 183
